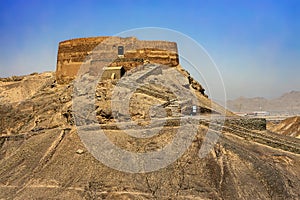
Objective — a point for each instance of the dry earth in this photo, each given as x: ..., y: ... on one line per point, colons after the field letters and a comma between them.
x: 289, y: 126
x: 42, y: 156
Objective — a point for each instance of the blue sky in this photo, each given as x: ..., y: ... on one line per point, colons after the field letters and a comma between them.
x: 255, y: 43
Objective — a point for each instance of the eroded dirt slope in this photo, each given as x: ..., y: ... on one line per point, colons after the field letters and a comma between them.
x: 289, y: 126
x: 40, y: 157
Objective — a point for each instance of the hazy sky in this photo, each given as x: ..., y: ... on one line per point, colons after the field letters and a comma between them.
x: 255, y: 44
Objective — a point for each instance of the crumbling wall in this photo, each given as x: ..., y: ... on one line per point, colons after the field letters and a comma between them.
x: 73, y: 53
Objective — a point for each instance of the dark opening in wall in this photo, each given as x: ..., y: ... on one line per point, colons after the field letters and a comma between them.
x: 120, y: 51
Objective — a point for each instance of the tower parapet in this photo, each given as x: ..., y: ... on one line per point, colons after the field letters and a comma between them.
x: 73, y: 53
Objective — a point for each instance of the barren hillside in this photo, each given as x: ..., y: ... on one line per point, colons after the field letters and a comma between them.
x: 289, y: 126
x: 42, y: 155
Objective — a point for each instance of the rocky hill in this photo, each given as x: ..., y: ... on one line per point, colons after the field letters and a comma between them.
x: 152, y: 134
x: 289, y: 126
x: 42, y: 155
x: 288, y: 103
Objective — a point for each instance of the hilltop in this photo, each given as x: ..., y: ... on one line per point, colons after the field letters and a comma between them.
x: 39, y: 145
x: 43, y: 154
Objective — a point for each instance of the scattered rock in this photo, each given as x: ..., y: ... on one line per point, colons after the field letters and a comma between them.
x: 80, y: 151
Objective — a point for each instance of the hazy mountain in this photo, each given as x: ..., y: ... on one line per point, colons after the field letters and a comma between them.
x: 287, y: 103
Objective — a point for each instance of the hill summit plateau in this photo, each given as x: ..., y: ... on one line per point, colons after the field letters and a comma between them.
x: 43, y: 155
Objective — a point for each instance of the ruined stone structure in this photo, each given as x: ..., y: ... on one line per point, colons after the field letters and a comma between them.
x: 113, y: 73
x: 73, y: 53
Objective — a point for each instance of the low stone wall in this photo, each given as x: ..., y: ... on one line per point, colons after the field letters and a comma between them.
x: 248, y: 123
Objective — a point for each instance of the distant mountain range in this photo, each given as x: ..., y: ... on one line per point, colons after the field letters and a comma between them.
x: 288, y: 103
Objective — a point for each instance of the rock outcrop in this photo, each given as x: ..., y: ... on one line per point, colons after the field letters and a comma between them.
x: 289, y: 126
x: 42, y: 156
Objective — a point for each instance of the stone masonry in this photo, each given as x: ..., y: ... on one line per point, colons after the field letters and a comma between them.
x: 73, y: 53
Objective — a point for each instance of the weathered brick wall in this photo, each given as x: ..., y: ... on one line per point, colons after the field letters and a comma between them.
x: 73, y: 53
